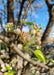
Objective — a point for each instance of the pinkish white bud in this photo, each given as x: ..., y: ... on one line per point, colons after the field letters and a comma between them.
x: 38, y: 39
x: 33, y: 31
x: 38, y: 33
x: 38, y: 42
x: 17, y: 31
x: 20, y: 46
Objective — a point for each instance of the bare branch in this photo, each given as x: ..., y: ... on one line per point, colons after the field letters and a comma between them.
x: 2, y: 25
x: 48, y: 2
x: 26, y: 11
x: 5, y: 39
x: 23, y: 1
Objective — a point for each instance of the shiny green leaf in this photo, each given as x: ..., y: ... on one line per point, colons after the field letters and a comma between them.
x: 28, y: 23
x: 39, y: 55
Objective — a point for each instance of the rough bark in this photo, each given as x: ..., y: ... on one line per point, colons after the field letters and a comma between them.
x: 50, y: 23
x: 10, y: 18
x: 10, y: 11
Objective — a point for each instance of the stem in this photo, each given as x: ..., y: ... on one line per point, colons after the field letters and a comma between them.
x: 30, y: 41
x: 22, y: 39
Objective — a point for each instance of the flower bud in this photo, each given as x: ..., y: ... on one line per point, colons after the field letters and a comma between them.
x: 41, y: 28
x: 38, y: 42
x: 38, y: 33
x: 33, y: 23
x: 17, y: 31
x: 36, y: 24
x: 20, y: 46
x: 33, y: 31
x: 40, y: 24
x: 38, y: 39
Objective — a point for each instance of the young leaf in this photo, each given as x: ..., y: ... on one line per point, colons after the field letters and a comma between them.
x: 28, y: 23
x: 39, y: 55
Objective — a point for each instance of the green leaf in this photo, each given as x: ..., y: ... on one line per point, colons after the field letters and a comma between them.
x: 39, y: 55
x: 28, y: 23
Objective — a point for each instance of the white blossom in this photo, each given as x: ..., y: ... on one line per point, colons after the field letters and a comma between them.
x: 17, y: 31
x: 20, y: 46
x: 3, y: 68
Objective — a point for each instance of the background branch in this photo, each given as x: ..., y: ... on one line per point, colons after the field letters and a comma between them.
x: 48, y: 2
x: 21, y: 8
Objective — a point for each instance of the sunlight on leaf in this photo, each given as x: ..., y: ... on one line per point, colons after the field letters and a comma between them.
x: 39, y: 55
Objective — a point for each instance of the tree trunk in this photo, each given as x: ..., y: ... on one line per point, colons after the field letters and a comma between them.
x: 10, y: 18
x: 50, y: 24
x: 10, y: 11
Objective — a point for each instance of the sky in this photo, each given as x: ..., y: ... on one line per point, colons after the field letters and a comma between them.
x: 40, y: 16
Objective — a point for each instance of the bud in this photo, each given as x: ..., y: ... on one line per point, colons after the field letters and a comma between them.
x: 36, y: 24
x: 17, y: 31
x: 41, y: 28
x: 40, y: 24
x: 3, y: 68
x: 20, y: 46
x: 33, y: 23
x: 33, y: 31
x: 38, y: 33
x: 38, y: 39
x: 38, y: 42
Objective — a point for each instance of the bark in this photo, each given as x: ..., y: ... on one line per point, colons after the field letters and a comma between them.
x: 50, y: 23
x: 20, y: 13
x: 10, y: 18
x: 21, y: 8
x: 26, y: 11
x: 10, y: 11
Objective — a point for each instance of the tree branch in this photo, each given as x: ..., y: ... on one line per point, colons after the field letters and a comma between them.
x: 14, y: 47
x: 21, y: 8
x: 48, y: 2
x: 2, y: 25
x: 5, y: 39
x: 26, y: 11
